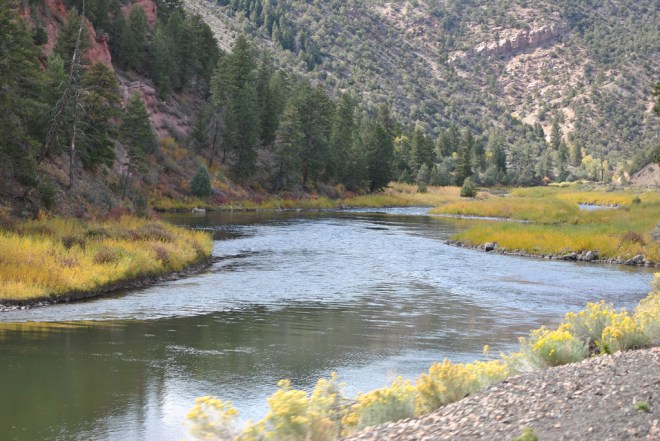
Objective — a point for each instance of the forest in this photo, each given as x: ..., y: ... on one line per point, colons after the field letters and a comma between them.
x: 257, y: 122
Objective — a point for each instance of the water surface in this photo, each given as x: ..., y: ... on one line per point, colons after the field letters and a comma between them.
x: 370, y: 294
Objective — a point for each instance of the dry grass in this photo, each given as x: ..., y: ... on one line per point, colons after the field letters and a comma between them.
x: 56, y: 257
x: 557, y: 225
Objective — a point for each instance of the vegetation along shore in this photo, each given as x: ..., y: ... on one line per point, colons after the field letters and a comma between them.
x: 556, y: 228
x: 599, y: 329
x: 52, y: 259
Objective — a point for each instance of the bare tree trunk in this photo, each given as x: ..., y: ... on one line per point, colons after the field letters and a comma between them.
x: 61, y: 105
x: 72, y: 148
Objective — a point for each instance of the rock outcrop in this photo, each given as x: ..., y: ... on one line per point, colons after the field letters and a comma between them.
x: 520, y: 40
x: 99, y: 50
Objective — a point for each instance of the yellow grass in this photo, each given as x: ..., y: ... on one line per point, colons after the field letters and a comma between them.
x: 557, y: 226
x: 56, y: 257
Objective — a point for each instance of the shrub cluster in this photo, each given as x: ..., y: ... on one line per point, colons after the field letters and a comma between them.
x: 326, y: 414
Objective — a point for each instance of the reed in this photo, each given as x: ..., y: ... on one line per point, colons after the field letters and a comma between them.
x: 56, y: 257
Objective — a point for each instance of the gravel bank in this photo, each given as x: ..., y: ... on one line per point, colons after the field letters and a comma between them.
x: 590, y: 400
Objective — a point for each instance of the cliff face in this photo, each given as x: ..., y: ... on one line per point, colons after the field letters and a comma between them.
x: 520, y: 40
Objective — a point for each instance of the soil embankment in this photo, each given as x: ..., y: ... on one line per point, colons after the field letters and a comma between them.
x: 597, y: 399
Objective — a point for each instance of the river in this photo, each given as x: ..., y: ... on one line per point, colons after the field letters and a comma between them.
x: 370, y: 294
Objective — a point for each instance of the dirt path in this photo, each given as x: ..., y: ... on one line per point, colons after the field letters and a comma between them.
x: 591, y: 400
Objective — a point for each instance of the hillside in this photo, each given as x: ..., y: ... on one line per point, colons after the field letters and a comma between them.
x: 119, y: 104
x: 486, y: 66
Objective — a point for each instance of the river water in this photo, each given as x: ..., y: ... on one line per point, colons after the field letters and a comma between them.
x: 370, y: 294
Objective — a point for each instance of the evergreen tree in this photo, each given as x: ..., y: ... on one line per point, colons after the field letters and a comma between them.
x: 421, y: 150
x: 161, y: 62
x: 100, y: 101
x: 270, y: 91
x: 200, y: 185
x: 20, y: 95
x: 342, y: 137
x: 137, y: 136
x: 135, y: 39
x: 379, y: 150
x: 423, y: 177
x: 464, y: 157
x: 234, y: 94
x: 66, y: 42
x: 497, y: 153
x: 556, y: 135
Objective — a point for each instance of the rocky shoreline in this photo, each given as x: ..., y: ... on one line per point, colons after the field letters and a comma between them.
x: 584, y: 256
x: 611, y: 397
x: 134, y: 283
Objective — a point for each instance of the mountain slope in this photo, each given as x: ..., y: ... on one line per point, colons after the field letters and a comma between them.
x: 482, y: 65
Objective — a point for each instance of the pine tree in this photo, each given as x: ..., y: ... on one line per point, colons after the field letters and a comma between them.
x: 342, y: 137
x: 20, y: 95
x: 234, y: 94
x: 379, y: 150
x: 100, y: 101
x: 556, y: 135
x: 464, y: 159
x: 423, y: 177
x: 421, y: 150
x: 138, y: 138
x: 200, y: 185
x: 135, y: 39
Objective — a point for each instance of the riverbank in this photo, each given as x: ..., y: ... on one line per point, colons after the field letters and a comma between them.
x: 552, y: 225
x: 612, y: 397
x: 583, y: 256
x: 59, y: 260
x: 395, y: 195
x: 323, y: 413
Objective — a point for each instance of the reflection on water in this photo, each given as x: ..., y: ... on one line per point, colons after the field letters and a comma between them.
x: 293, y: 295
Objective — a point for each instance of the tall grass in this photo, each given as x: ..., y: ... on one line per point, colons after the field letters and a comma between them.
x: 296, y: 415
x: 58, y: 257
x: 557, y: 225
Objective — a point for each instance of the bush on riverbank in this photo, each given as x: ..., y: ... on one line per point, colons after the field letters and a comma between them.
x: 52, y: 258
x: 326, y: 412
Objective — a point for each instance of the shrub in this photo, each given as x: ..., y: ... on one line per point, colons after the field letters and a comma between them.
x: 588, y: 325
x: 622, y: 334
x: 107, y: 255
x: 445, y: 383
x: 201, y: 183
x: 70, y: 241
x: 468, y: 190
x: 647, y: 316
x: 527, y: 435
x: 212, y: 418
x: 47, y: 192
x: 381, y: 405
x: 547, y: 348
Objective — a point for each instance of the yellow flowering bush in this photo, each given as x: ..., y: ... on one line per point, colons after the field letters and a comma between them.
x: 296, y: 416
x: 325, y: 414
x: 381, y: 405
x: 588, y: 325
x: 213, y: 419
x: 447, y: 382
x: 647, y: 316
x: 622, y: 334
x: 546, y: 348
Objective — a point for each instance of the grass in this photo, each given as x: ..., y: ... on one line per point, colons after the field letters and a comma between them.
x: 395, y: 195
x: 557, y: 226
x: 325, y: 413
x: 51, y: 258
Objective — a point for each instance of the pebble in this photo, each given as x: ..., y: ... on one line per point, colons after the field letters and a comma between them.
x: 592, y: 400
